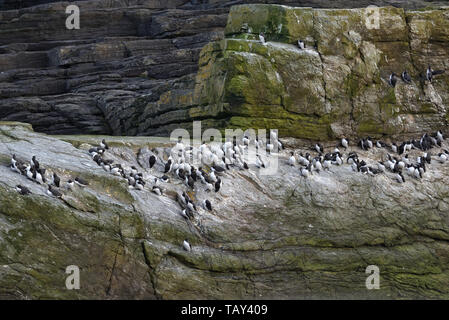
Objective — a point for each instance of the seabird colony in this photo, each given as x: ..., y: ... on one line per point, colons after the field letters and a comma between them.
x: 216, y: 159
x: 35, y: 172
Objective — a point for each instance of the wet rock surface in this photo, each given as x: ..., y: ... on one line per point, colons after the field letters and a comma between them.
x: 268, y: 236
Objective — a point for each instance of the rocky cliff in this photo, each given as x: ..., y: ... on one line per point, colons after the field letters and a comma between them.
x: 133, y: 66
x: 279, y: 236
x: 337, y: 86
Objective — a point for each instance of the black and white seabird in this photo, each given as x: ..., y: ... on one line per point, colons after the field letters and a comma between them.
x: 186, y: 245
x: 259, y: 162
x: 29, y: 173
x: 181, y: 200
x: 207, y: 205
x: 34, y: 162
x: 190, y: 182
x: 394, y: 147
x: 392, y: 80
x: 344, y: 143
x: 117, y: 169
x: 23, y: 190
x: 399, y: 177
x: 304, y: 172
x: 38, y: 176
x: 152, y: 161
x: 430, y: 73
x: 301, y: 44
x: 168, y: 166
x: 369, y: 142
x: 219, y: 170
x: 428, y: 157
x: 380, y: 144
x: 18, y: 166
x: 81, y: 182
x: 218, y: 184
x: 191, y: 206
x: 157, y: 190
x: 406, y: 77
x: 56, y: 180
x: 104, y: 145
x: 52, y: 191
x: 440, y: 136
x: 187, y: 214
x: 319, y: 148
x: 70, y: 184
x: 139, y: 185
x: 292, y: 159
x: 262, y: 37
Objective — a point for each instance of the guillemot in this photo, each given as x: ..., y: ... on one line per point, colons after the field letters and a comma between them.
x: 168, y: 166
x: 344, y: 143
x: 399, y: 177
x: 23, y: 190
x: 406, y: 77
x: 186, y: 245
x: 292, y: 159
x: 38, y: 176
x: 104, y: 145
x: 152, y: 161
x: 34, y: 162
x: 430, y: 73
x: 81, y: 182
x: 259, y: 162
x: 207, y: 205
x: 56, y: 180
x: 218, y: 185
x: 157, y: 190
x: 52, y: 191
x: 187, y: 214
x: 319, y: 148
x: 392, y: 80
x: 262, y: 38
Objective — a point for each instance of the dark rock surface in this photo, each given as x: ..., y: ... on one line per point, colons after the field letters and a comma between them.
x: 127, y: 53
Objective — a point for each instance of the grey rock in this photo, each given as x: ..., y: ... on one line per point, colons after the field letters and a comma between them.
x: 280, y: 236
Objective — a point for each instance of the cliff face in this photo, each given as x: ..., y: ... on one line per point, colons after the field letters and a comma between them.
x: 84, y: 81
x: 281, y: 236
x: 338, y: 86
x: 132, y: 67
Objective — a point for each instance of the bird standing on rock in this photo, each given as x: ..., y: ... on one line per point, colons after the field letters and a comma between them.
x: 430, y: 73
x: 23, y: 190
x: 186, y: 245
x: 152, y: 161
x: 392, y: 80
x: 52, y: 191
x: 207, y: 205
x: 104, y: 145
x: 292, y: 159
x: 262, y: 38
